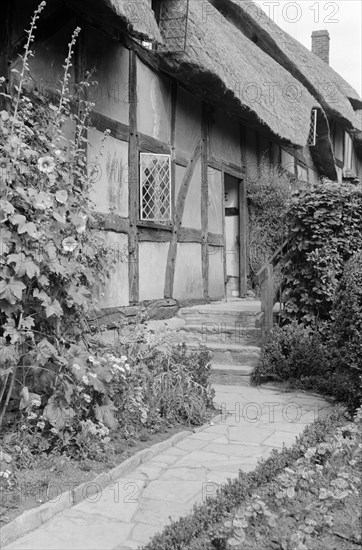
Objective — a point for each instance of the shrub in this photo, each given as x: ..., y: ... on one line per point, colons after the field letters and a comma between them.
x: 345, y: 337
x: 269, y: 195
x: 325, y: 228
x: 165, y: 386
x: 293, y: 352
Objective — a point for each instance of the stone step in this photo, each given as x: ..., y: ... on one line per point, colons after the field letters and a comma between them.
x: 230, y: 374
x: 221, y: 333
x: 229, y: 354
x: 246, y: 319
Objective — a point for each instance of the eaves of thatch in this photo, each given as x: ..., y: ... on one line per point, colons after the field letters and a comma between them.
x: 216, y: 60
x: 336, y: 96
x: 133, y: 17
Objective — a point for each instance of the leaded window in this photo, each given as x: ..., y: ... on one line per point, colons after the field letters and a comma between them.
x: 312, y: 138
x: 155, y: 187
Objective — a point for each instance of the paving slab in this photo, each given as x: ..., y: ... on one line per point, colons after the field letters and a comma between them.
x: 127, y: 513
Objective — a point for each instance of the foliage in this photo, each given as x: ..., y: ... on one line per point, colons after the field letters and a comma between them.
x: 292, y: 352
x: 325, y: 228
x: 95, y: 394
x: 164, y: 386
x: 204, y: 527
x: 299, y: 509
x: 51, y: 262
x: 345, y: 331
x: 268, y: 199
x: 310, y: 360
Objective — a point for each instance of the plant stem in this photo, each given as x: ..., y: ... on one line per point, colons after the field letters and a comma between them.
x: 12, y: 381
x: 3, y: 388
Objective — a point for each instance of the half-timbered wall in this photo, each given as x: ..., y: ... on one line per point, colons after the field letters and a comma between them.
x: 148, y: 112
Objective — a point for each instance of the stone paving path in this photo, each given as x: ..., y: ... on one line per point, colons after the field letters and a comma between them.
x: 128, y: 513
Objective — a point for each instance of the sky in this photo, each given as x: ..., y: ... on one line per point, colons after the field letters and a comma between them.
x: 342, y: 19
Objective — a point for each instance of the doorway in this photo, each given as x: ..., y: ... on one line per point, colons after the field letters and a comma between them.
x: 235, y: 236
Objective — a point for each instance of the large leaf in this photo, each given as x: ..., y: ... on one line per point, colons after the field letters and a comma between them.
x: 45, y: 350
x: 52, y: 307
x: 104, y: 414
x: 12, y: 290
x: 6, y: 210
x: 58, y: 413
x: 42, y: 201
x: 24, y: 265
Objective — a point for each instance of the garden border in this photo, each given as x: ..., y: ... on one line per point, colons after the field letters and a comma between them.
x: 32, y: 519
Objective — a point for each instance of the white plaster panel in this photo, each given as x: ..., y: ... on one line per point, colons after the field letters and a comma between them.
x: 153, y: 103
x: 111, y: 62
x: 188, y: 121
x: 188, y: 272
x: 46, y: 67
x: 225, y: 138
x: 110, y: 179
x: 216, y: 271
x: 288, y: 161
x: 192, y: 210
x: 251, y: 161
x: 115, y: 292
x: 152, y: 270
x: 179, y: 175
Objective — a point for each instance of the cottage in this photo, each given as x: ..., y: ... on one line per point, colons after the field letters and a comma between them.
x: 195, y: 97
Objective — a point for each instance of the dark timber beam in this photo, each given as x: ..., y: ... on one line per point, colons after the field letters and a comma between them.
x: 179, y: 210
x: 204, y: 198
x: 133, y: 183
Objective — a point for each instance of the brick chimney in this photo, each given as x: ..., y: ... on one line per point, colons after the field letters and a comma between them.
x: 320, y: 44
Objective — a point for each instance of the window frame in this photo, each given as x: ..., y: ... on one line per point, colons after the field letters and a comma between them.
x: 163, y: 224
x: 348, y: 150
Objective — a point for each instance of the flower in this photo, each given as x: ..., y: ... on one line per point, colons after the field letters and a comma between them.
x: 36, y: 402
x: 54, y: 430
x: 69, y: 244
x: 92, y: 374
x: 31, y: 416
x: 91, y: 359
x: 119, y: 368
x: 123, y: 358
x: 87, y: 398
x: 46, y: 164
x: 76, y: 366
x: 310, y: 452
x: 41, y: 425
x: 85, y: 379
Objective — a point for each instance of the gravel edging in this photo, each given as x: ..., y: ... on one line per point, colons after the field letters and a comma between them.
x: 34, y: 518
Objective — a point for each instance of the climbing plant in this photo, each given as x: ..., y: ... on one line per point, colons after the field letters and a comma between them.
x: 51, y: 261
x: 269, y: 195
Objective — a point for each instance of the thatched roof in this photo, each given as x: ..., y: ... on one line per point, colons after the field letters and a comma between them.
x: 132, y: 16
x: 336, y: 96
x: 229, y: 70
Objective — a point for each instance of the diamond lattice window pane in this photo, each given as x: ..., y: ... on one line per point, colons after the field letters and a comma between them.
x: 173, y: 25
x: 155, y: 191
x: 313, y: 129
